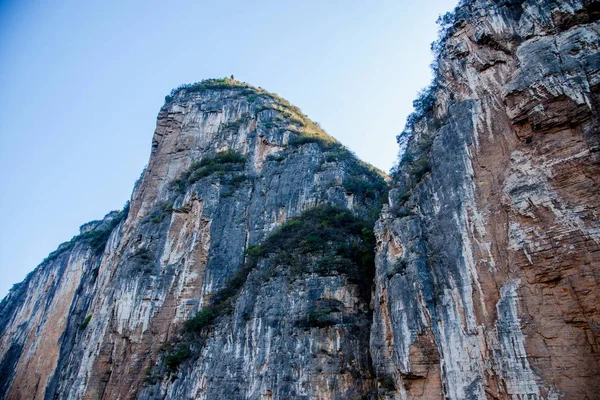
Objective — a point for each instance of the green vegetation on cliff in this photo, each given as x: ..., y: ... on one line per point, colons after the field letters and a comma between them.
x: 95, y: 238
x: 341, y: 242
x: 325, y: 240
x: 224, y: 162
x: 318, y: 231
x: 85, y: 322
x: 207, y: 84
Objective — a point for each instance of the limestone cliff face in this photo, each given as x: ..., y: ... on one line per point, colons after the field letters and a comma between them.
x: 229, y: 164
x: 245, y: 266
x: 488, y: 256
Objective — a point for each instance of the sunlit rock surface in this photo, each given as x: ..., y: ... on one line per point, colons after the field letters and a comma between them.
x: 182, y: 239
x: 487, y: 255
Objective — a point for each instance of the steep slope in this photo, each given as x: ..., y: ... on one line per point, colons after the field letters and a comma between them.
x: 41, y: 317
x: 488, y: 255
x: 294, y: 324
x: 244, y: 266
x: 229, y: 164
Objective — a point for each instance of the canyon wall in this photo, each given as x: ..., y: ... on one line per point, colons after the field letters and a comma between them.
x: 230, y: 164
x: 488, y: 255
x: 259, y: 259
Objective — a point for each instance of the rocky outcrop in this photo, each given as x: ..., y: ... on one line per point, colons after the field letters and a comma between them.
x: 40, y: 319
x: 487, y: 257
x: 299, y: 326
x: 246, y: 265
x: 229, y: 164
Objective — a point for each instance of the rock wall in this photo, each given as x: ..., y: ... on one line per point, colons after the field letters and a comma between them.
x: 229, y: 164
x: 239, y: 268
x: 487, y: 258
x: 40, y: 318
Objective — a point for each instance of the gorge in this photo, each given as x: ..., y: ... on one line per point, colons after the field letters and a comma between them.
x: 258, y: 258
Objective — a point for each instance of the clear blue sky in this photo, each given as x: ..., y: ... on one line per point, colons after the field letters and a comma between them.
x: 81, y: 83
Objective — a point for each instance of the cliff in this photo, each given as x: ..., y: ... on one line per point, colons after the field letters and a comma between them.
x: 103, y: 316
x: 488, y: 254
x: 259, y: 259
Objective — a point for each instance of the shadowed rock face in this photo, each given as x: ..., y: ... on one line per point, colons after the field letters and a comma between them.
x: 487, y: 258
x: 485, y: 276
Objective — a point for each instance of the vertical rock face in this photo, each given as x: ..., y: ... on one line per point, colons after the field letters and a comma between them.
x: 244, y: 268
x: 488, y: 255
x: 40, y: 319
x: 229, y: 164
